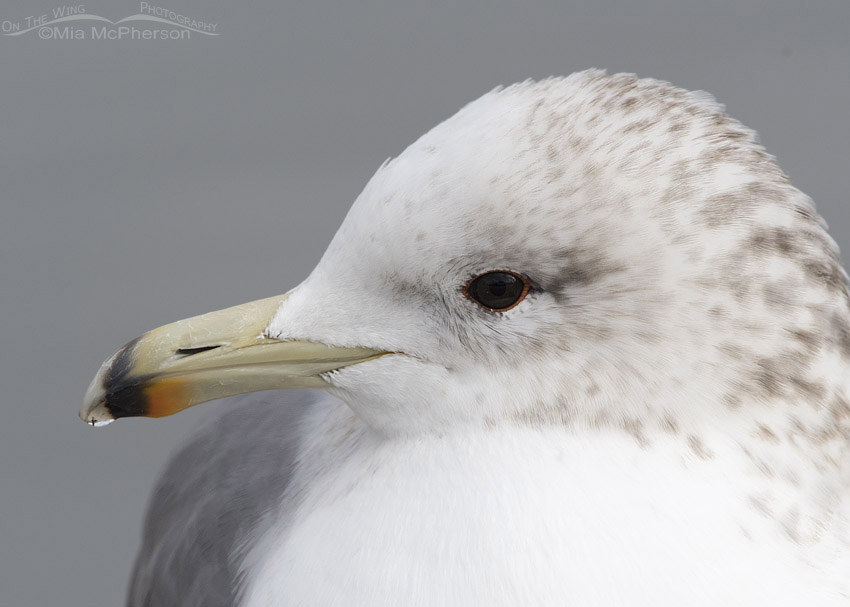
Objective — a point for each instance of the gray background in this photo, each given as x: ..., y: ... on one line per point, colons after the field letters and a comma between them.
x: 142, y: 182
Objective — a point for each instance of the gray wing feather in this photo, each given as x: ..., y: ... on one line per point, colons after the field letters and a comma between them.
x: 213, y: 493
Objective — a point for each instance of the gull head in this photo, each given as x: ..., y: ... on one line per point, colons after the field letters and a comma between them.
x: 596, y: 250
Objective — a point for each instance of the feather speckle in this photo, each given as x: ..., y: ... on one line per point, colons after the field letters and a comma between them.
x: 664, y: 420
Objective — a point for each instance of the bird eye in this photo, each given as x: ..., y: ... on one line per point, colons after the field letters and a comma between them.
x: 497, y: 291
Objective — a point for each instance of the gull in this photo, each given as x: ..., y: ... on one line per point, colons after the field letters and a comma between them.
x: 583, y: 343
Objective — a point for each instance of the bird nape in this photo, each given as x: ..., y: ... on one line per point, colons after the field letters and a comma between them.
x: 583, y: 343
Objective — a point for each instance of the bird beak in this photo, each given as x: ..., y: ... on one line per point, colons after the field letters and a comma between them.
x: 207, y: 357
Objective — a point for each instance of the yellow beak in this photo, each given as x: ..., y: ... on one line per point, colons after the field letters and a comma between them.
x: 208, y: 357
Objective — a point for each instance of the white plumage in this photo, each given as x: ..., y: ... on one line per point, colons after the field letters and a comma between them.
x: 663, y: 421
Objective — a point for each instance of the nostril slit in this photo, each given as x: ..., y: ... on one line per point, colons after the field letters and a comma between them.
x: 192, y: 351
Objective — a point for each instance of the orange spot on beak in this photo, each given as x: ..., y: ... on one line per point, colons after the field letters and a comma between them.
x: 167, y: 396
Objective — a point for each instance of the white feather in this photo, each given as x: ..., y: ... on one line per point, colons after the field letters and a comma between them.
x: 663, y: 421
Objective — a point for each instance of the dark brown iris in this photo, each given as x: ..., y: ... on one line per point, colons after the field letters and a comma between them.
x: 497, y: 291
